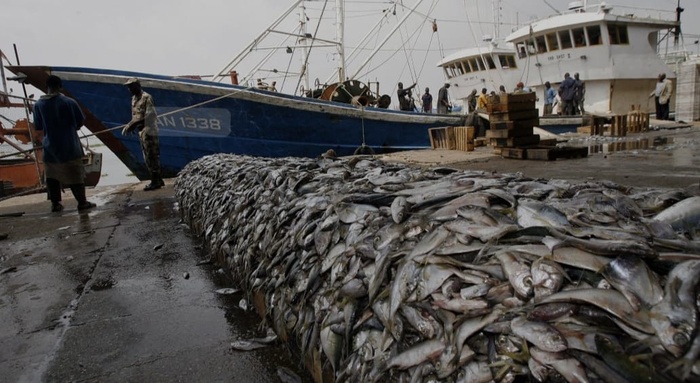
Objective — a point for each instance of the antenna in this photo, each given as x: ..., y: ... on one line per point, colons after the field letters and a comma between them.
x: 677, y: 29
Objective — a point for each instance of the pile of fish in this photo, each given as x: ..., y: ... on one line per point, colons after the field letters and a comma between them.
x: 381, y: 272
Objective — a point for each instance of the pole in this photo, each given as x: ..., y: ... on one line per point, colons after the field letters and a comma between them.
x: 340, y: 36
x: 677, y: 29
x: 381, y: 45
x: 26, y: 112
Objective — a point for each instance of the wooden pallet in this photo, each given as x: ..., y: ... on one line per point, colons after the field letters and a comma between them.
x: 529, y: 114
x: 464, y: 138
x: 637, y: 121
x: 544, y: 153
x: 515, y: 141
x: 442, y: 138
x: 513, y: 98
x: 510, y: 133
x: 512, y: 107
x: 619, y: 125
x: 518, y: 124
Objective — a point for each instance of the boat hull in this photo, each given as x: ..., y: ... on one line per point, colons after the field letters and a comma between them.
x: 197, y: 118
x: 22, y: 176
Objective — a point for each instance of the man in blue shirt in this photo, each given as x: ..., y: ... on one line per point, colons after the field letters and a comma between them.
x: 549, y: 96
x: 60, y: 118
x: 567, y: 91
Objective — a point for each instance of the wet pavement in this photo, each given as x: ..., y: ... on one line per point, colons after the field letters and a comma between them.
x: 666, y: 158
x: 123, y: 293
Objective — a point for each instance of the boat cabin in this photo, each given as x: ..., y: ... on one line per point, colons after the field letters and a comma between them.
x: 476, y: 68
x: 615, y: 55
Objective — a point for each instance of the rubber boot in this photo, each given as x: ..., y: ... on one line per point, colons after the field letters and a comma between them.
x: 156, y: 182
x: 53, y: 189
x: 79, y: 194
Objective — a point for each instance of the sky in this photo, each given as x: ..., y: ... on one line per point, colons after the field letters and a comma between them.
x: 176, y: 37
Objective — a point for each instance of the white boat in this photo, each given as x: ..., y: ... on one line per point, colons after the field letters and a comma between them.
x: 488, y: 66
x: 615, y: 55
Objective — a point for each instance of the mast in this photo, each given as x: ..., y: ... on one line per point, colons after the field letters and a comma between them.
x: 496, y: 19
x: 236, y: 60
x: 305, y: 59
x: 381, y: 45
x: 340, y: 36
x: 677, y: 29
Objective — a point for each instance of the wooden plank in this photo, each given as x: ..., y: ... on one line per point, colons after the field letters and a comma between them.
x: 541, y: 154
x: 509, y: 133
x: 548, y: 142
x: 515, y: 153
x: 571, y: 152
x: 514, y: 124
x: 480, y: 141
x: 442, y: 138
x: 529, y: 114
x: 512, y: 98
x: 513, y: 107
x: 515, y: 141
x: 464, y: 135
x: 584, y: 129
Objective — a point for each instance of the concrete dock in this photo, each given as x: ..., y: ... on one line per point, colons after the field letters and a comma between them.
x: 122, y: 293
x: 125, y: 292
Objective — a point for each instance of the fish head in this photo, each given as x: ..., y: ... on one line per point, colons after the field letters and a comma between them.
x: 523, y: 284
x: 676, y: 338
x: 447, y: 363
x: 555, y: 342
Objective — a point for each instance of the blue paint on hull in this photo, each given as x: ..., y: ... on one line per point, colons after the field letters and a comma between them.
x: 235, y: 119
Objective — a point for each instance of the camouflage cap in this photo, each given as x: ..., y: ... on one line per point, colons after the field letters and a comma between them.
x: 132, y: 80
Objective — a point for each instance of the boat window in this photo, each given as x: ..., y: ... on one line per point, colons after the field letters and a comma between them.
x: 579, y: 37
x: 465, y: 65
x: 565, y: 38
x: 480, y: 62
x: 447, y: 71
x: 541, y: 46
x: 594, y: 35
x: 489, y: 61
x: 472, y: 62
x: 531, y: 47
x: 521, y: 51
x: 460, y: 69
x: 503, y: 60
x: 618, y: 34
x: 511, y: 61
x: 552, y: 41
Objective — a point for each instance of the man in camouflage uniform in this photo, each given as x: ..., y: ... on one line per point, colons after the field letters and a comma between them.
x: 143, y: 119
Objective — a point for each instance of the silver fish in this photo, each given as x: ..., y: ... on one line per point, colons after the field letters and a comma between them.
x: 683, y: 216
x: 632, y: 277
x: 518, y: 273
x: 547, y: 277
x: 540, y: 334
x: 428, y: 350
x: 675, y: 318
x: 533, y: 213
x: 399, y: 209
x: 609, y: 300
x: 571, y: 369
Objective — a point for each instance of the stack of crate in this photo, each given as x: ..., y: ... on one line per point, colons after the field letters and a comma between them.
x: 452, y: 138
x: 512, y: 120
x: 637, y: 120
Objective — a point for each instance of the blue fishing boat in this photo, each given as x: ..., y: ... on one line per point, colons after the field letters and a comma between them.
x: 198, y: 117
x: 202, y: 115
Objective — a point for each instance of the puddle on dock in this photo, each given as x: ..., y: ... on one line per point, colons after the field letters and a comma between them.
x: 629, y: 145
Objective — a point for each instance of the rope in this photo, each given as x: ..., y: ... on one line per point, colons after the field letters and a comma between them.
x: 34, y: 148
x: 306, y: 60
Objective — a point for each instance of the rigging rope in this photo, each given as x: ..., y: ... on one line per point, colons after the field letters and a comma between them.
x: 306, y: 59
x: 34, y: 148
